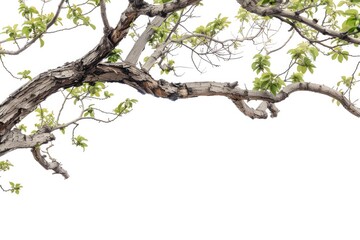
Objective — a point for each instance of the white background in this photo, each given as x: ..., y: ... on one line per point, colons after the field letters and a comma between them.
x: 190, y: 169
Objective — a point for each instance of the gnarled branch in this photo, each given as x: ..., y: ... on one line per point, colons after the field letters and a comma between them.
x: 53, y: 165
x: 15, y: 139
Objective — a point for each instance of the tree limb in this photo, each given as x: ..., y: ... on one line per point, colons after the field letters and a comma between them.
x: 144, y: 83
x: 140, y: 44
x: 53, y: 165
x: 15, y: 139
x: 251, y: 6
x: 104, y: 16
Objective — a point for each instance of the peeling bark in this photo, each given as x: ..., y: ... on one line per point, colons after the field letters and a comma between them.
x: 25, y: 100
x: 89, y: 69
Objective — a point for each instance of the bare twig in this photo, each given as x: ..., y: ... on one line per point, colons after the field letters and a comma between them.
x: 104, y: 16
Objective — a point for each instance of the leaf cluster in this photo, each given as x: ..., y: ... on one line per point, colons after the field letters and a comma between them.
x: 80, y: 141
x: 268, y: 81
x: 304, y: 55
x: 14, y: 187
x: 209, y: 30
x: 352, y: 23
x: 75, y: 13
x: 46, y: 118
x: 125, y: 106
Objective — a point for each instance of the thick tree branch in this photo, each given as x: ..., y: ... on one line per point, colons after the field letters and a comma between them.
x: 31, y: 94
x: 166, y: 8
x: 89, y: 70
x: 25, y: 99
x: 144, y: 83
x: 251, y: 6
x: 34, y: 92
x: 15, y: 139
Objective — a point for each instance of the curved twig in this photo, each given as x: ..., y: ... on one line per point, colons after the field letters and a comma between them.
x: 27, y: 45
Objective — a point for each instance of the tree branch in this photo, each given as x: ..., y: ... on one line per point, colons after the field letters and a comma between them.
x: 140, y: 44
x: 15, y: 139
x: 252, y: 6
x: 27, y: 45
x: 144, y: 83
x: 104, y: 16
x: 53, y: 165
x: 166, y: 8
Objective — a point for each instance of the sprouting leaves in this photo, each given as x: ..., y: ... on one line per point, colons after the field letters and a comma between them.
x: 268, y: 81
x: 5, y: 165
x: 168, y: 67
x: 15, y: 187
x: 88, y: 89
x: 25, y: 74
x: 80, y: 141
x: 26, y: 11
x: 13, y: 32
x: 89, y: 112
x: 304, y: 50
x: 45, y: 117
x: 108, y: 94
x: 22, y: 127
x: 160, y: 34
x: 346, y: 81
x: 75, y: 13
x: 352, y: 24
x: 261, y: 63
x: 96, y: 89
x: 125, y: 107
x: 304, y: 55
x: 114, y: 55
x: 210, y: 30
x: 35, y: 24
x: 243, y: 15
x: 297, y: 77
x: 339, y: 54
x: 305, y: 64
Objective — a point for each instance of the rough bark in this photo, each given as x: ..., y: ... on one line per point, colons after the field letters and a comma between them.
x: 277, y: 11
x: 89, y: 69
x: 24, y: 100
x: 53, y: 165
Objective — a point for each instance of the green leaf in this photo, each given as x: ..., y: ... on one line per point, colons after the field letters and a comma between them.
x: 261, y: 63
x: 125, y: 107
x: 22, y: 127
x: 25, y: 74
x: 297, y: 77
x: 41, y: 42
x: 80, y: 141
x: 5, y: 165
x: 301, y: 69
x: 114, y: 55
x: 351, y: 12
